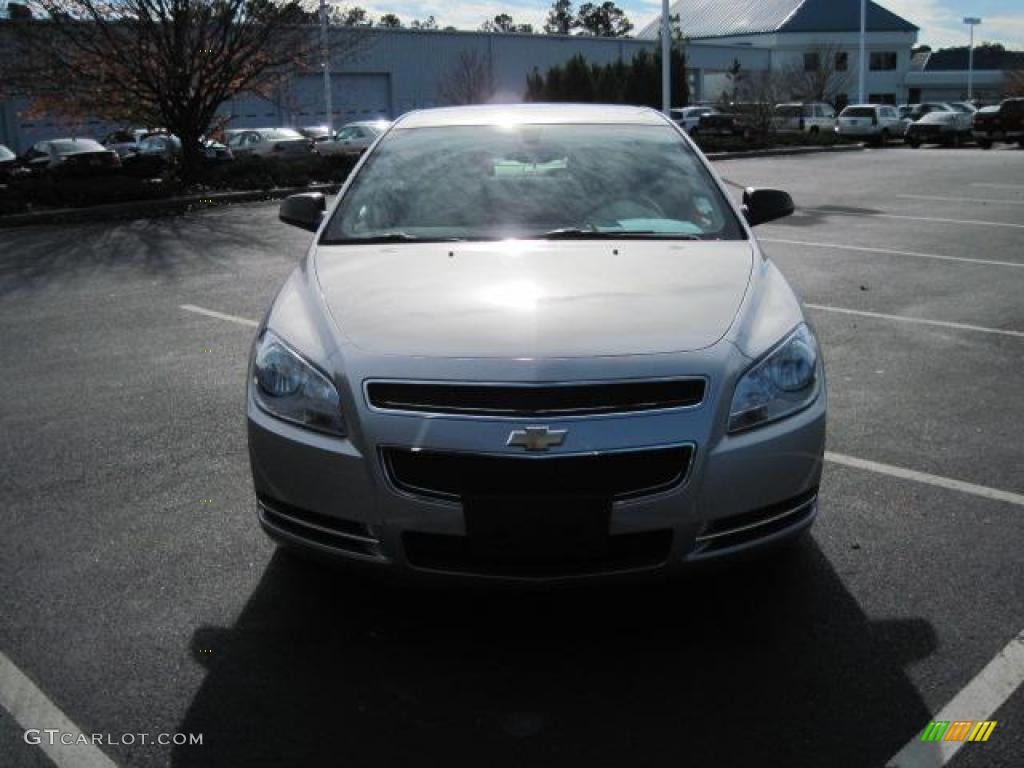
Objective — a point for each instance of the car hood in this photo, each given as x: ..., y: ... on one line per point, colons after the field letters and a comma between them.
x: 534, y: 299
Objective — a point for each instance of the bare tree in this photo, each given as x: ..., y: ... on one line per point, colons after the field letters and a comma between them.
x: 1014, y: 83
x: 469, y: 81
x: 821, y: 75
x: 156, y: 62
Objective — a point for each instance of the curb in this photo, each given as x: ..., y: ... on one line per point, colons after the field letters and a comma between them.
x: 783, y: 152
x: 155, y: 207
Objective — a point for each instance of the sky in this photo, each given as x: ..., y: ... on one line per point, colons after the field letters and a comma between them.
x: 940, y: 20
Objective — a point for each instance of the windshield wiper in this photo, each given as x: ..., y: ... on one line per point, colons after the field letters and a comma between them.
x: 577, y: 233
x: 391, y: 237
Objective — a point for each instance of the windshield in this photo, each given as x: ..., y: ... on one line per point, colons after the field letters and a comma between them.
x: 531, y: 181
x: 68, y: 146
x: 281, y: 134
x: 5, y: 153
x: 858, y: 112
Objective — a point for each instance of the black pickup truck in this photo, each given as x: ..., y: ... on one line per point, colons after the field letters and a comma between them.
x: 1002, y: 123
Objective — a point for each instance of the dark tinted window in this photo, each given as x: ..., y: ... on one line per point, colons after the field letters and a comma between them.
x: 881, y: 60
x: 858, y: 112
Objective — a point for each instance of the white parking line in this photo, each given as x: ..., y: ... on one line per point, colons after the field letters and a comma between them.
x: 927, y: 479
x: 31, y: 708
x: 978, y: 701
x: 865, y: 214
x: 889, y: 252
x: 917, y: 320
x: 992, y: 185
x: 219, y: 315
x: 963, y: 199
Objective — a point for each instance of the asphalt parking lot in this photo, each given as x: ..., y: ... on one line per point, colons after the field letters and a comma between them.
x: 137, y: 594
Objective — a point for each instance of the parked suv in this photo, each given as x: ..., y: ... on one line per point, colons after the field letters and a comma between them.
x: 876, y: 122
x: 808, y: 118
x: 1002, y: 123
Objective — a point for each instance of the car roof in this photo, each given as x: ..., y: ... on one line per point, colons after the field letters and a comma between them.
x: 497, y: 114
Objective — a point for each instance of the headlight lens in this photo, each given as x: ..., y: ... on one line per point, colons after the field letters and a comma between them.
x: 784, y: 382
x: 286, y: 386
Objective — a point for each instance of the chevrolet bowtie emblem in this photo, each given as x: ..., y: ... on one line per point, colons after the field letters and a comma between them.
x: 536, y: 438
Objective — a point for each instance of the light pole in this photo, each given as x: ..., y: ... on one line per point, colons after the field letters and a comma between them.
x: 972, y: 22
x: 666, y: 61
x: 325, y: 62
x: 860, y: 56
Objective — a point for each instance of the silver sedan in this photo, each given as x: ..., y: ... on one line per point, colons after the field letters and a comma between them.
x: 535, y: 342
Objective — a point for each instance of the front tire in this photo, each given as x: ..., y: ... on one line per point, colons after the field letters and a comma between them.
x: 985, y: 143
x: 914, y: 143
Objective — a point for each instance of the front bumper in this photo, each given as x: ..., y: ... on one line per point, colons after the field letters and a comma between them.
x: 335, y: 497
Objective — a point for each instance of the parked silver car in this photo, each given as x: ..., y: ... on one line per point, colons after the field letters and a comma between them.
x: 353, y: 138
x: 812, y: 118
x: 938, y: 127
x: 535, y: 341
x: 285, y: 143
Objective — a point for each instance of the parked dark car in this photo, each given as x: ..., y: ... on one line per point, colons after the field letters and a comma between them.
x: 1003, y: 123
x: 126, y: 142
x: 8, y: 163
x: 70, y: 157
x: 738, y: 121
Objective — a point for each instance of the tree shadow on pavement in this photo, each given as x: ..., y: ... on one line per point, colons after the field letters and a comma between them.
x: 163, y: 247
x: 770, y: 662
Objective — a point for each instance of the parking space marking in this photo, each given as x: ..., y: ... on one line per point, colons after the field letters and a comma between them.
x: 978, y: 701
x: 890, y: 252
x: 219, y: 315
x: 871, y: 214
x: 926, y: 478
x: 31, y: 708
x: 964, y: 199
x: 993, y: 185
x: 917, y: 320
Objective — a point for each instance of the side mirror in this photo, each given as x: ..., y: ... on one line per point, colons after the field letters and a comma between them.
x: 304, y: 210
x: 761, y: 205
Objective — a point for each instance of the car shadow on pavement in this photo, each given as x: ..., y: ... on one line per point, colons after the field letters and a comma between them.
x: 813, y: 217
x: 771, y: 662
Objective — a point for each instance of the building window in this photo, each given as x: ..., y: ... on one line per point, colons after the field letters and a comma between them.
x: 882, y: 98
x: 812, y: 63
x: 842, y: 61
x: 883, y: 60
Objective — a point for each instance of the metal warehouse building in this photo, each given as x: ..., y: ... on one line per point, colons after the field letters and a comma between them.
x: 386, y: 72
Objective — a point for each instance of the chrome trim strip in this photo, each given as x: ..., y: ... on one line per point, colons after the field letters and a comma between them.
x: 704, y: 538
x: 322, y: 529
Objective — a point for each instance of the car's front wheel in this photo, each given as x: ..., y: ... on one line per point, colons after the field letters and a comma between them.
x: 914, y: 143
x: 985, y: 143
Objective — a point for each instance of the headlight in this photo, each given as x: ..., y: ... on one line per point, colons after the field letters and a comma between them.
x: 784, y: 382
x: 286, y: 386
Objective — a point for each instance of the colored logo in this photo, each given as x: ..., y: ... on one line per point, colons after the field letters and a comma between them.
x: 958, y: 730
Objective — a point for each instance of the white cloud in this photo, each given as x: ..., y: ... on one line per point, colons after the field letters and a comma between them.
x: 942, y: 25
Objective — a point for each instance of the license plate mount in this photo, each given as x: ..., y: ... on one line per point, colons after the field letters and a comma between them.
x: 537, y: 529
